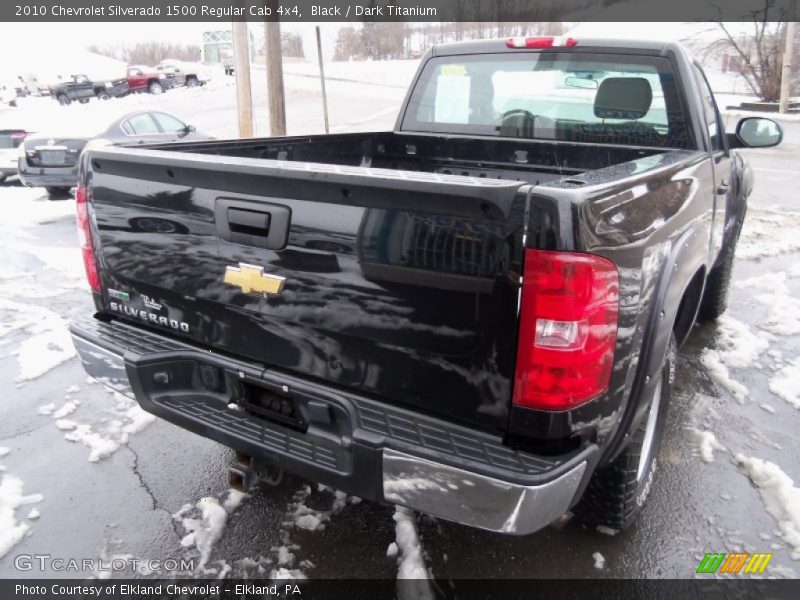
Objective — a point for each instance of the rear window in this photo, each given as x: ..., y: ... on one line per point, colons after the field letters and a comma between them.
x: 579, y: 97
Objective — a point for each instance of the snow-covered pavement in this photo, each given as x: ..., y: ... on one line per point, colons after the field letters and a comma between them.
x: 84, y: 473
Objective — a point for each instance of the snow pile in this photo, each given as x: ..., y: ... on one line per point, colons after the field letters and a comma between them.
x: 599, y: 561
x: 47, y: 343
x: 11, y: 498
x: 711, y: 360
x: 781, y: 498
x: 737, y: 347
x: 706, y: 444
x: 206, y: 526
x: 411, y: 565
x: 786, y: 383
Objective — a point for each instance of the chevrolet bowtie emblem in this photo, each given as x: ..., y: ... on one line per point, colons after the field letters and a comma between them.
x: 252, y: 280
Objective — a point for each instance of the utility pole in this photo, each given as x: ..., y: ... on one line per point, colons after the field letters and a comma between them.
x: 322, y: 80
x: 241, y: 66
x: 786, y: 73
x: 275, y: 94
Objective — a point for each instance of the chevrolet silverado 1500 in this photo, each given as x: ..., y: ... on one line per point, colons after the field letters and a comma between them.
x: 475, y: 315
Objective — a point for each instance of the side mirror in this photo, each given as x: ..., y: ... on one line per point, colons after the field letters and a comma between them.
x: 758, y: 132
x: 191, y: 129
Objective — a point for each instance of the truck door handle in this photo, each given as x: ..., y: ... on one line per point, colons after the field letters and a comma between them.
x: 723, y: 187
x: 252, y: 223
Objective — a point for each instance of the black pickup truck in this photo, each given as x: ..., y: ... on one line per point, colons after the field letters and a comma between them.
x: 83, y: 89
x: 475, y: 315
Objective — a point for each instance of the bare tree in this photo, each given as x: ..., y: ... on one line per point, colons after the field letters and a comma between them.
x: 759, y: 54
x: 149, y: 53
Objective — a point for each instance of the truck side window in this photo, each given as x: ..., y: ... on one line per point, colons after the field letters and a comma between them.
x: 716, y: 132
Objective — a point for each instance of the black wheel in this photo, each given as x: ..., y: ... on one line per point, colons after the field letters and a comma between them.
x: 63, y: 100
x: 2, y: 178
x: 58, y: 193
x: 617, y: 492
x: 13, y: 104
x: 155, y: 88
x: 715, y: 295
x: 191, y: 82
x: 102, y: 95
x: 84, y: 101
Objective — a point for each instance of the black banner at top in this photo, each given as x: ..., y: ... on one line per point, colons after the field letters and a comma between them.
x: 504, y: 11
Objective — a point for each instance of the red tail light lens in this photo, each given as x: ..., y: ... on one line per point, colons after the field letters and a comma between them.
x: 85, y: 237
x: 568, y: 329
x: 541, y: 42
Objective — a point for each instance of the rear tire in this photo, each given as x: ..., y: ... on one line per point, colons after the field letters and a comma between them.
x: 103, y: 96
x: 618, y: 492
x: 155, y: 88
x: 715, y: 296
x: 58, y: 193
x: 191, y: 82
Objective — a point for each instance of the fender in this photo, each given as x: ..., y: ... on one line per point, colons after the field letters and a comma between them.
x: 688, y: 256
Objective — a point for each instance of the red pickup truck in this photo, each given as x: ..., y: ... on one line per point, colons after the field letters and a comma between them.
x: 147, y: 79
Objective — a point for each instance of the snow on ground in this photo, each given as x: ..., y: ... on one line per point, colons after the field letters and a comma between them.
x: 30, y: 208
x: 769, y: 231
x: 12, y: 498
x: 736, y: 347
x: 780, y: 496
x: 786, y: 383
x: 300, y: 516
x: 706, y: 444
x: 108, y: 430
x: 599, y: 561
x: 773, y: 291
x: 205, y: 526
x: 47, y: 341
x: 410, y: 563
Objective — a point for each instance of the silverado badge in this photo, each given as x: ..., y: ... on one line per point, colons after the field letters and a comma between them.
x: 252, y: 280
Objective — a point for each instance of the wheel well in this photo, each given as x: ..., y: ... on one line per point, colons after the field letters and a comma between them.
x: 687, y: 309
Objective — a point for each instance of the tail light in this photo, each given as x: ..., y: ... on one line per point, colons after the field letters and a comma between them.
x: 568, y: 329
x: 541, y: 42
x: 17, y: 138
x: 85, y: 237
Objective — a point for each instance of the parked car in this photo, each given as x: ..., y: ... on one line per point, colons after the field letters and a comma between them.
x: 50, y: 159
x: 188, y: 74
x: 147, y: 79
x: 10, y: 140
x: 489, y: 332
x: 83, y: 89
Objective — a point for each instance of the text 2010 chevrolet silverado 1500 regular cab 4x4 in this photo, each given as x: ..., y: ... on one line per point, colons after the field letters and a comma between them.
x: 475, y: 315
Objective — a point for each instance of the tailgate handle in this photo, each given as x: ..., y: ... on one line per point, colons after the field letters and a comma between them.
x: 248, y: 222
x: 252, y: 223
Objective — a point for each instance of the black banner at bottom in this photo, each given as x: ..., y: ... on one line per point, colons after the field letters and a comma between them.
x: 372, y: 589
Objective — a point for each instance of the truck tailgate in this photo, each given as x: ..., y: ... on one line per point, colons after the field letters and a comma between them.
x: 401, y: 285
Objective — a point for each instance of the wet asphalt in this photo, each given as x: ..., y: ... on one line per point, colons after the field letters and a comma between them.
x: 123, y: 504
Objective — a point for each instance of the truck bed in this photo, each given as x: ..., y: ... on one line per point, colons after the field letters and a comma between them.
x: 529, y: 161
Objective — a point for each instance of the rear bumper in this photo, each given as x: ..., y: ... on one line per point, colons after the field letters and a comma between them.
x: 360, y: 446
x: 34, y: 176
